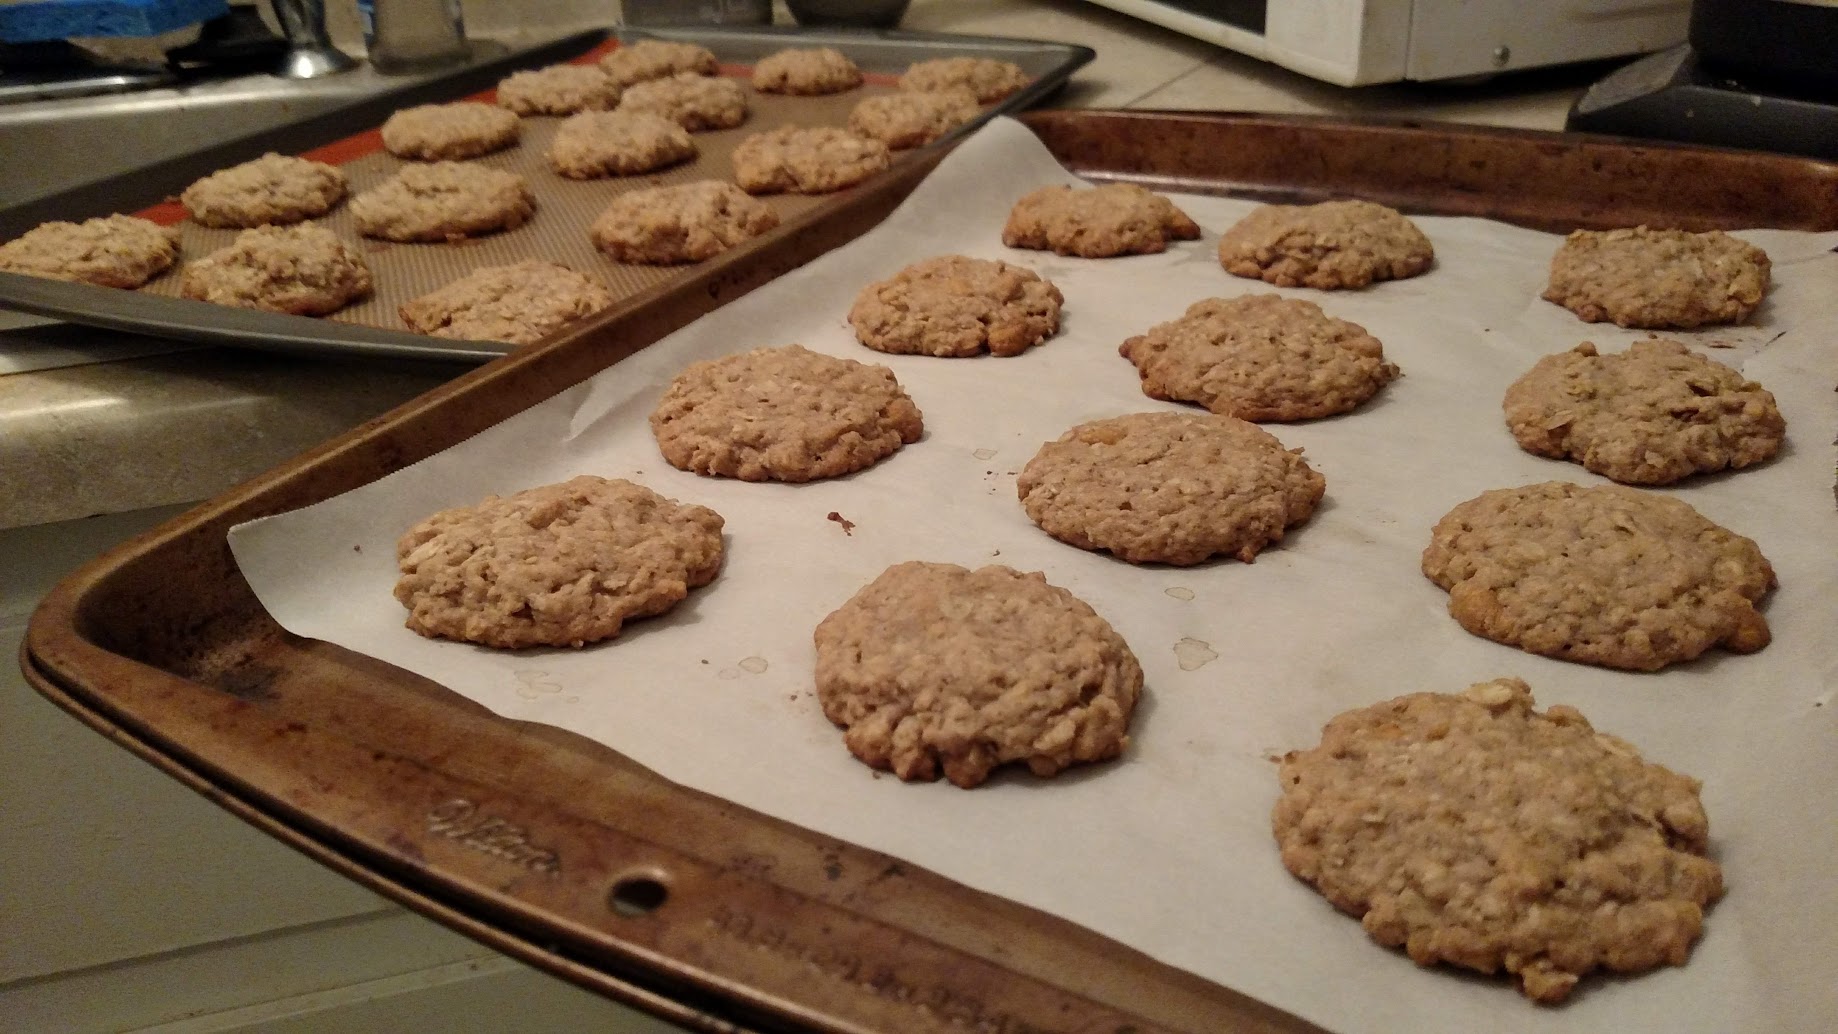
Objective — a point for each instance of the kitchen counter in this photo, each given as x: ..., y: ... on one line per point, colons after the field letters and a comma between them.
x: 119, y: 436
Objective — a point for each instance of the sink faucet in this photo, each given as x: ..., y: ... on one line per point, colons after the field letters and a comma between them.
x: 310, y: 52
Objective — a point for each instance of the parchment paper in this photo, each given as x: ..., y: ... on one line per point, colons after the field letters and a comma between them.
x: 1169, y: 849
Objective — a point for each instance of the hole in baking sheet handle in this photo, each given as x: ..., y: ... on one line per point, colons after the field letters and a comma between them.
x: 637, y: 895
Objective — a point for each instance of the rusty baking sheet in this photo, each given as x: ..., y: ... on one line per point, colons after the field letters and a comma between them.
x: 561, y: 852
x: 564, y: 207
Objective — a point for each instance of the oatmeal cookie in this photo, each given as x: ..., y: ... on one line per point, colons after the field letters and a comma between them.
x: 955, y: 306
x: 1260, y: 357
x: 1114, y: 219
x: 1609, y: 575
x: 806, y: 71
x: 989, y: 79
x: 1651, y: 415
x: 443, y: 201
x: 518, y: 303
x: 934, y: 668
x: 1471, y: 829
x: 1658, y: 278
x: 561, y: 565
x: 692, y: 101
x: 558, y: 90
x: 690, y: 222
x: 649, y: 59
x: 1332, y: 245
x: 112, y: 251
x: 800, y: 160
x: 1169, y: 488
x: 617, y: 143
x: 450, y: 132
x: 305, y: 270
x: 913, y: 118
x: 270, y: 191
x: 783, y: 414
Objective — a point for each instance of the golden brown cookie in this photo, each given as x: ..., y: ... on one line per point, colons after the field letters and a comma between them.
x: 1608, y: 575
x: 783, y: 414
x: 913, y: 118
x: 443, y: 201
x: 1330, y: 246
x: 272, y: 190
x: 695, y: 102
x: 686, y: 223
x: 1260, y: 357
x: 953, y: 306
x: 519, y: 303
x: 450, y: 132
x: 618, y: 143
x: 990, y: 80
x: 1651, y: 415
x: 648, y: 59
x: 801, y: 160
x: 1114, y: 219
x: 561, y: 565
x: 806, y: 71
x: 305, y: 270
x: 936, y: 669
x: 1658, y: 278
x: 558, y: 90
x: 112, y: 251
x: 1471, y: 829
x: 1169, y: 488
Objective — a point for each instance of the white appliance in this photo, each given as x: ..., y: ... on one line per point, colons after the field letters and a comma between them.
x: 1356, y: 42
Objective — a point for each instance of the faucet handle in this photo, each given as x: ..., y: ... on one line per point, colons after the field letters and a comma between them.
x: 310, y: 52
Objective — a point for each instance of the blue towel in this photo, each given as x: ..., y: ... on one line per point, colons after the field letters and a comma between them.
x: 64, y: 19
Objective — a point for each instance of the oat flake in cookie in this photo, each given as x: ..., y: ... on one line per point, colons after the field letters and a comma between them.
x: 936, y: 669
x: 1613, y: 576
x: 783, y: 414
x: 990, y: 80
x: 1330, y: 246
x: 112, y: 251
x: 303, y: 270
x: 953, y: 306
x: 695, y: 102
x: 617, y: 143
x: 1658, y: 278
x: 803, y: 160
x: 690, y: 222
x: 913, y: 118
x: 272, y: 190
x: 1471, y: 829
x: 807, y: 71
x: 443, y: 201
x: 449, y: 132
x: 648, y: 59
x: 1102, y: 222
x: 519, y: 303
x: 1651, y: 415
x: 1260, y: 357
x: 1170, y: 488
x: 558, y: 90
x: 561, y: 565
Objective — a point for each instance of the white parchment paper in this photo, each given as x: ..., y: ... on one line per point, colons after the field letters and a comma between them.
x: 1169, y: 850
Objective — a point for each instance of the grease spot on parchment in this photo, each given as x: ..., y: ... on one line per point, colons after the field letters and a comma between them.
x: 1179, y: 592
x: 756, y: 665
x: 1193, y: 654
x: 728, y: 673
x: 984, y: 454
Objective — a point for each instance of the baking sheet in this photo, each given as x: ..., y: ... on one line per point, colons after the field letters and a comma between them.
x: 1168, y: 850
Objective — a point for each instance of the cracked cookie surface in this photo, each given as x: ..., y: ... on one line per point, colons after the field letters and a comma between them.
x: 443, y: 201
x: 1639, y: 277
x: 109, y: 251
x: 305, y: 270
x: 953, y: 306
x: 1330, y: 246
x: 450, y: 132
x: 1102, y: 222
x: 272, y: 190
x: 519, y: 303
x: 806, y: 160
x: 685, y: 223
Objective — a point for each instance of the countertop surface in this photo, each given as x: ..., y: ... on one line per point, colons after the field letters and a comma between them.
x: 127, y: 434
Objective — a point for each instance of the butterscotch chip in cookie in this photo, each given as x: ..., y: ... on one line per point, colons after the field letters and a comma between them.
x: 953, y: 306
x: 1114, y: 219
x: 1607, y: 575
x: 695, y: 102
x: 685, y: 223
x: 561, y: 565
x: 450, y: 132
x: 807, y: 71
x: 111, y: 251
x: 270, y: 191
x: 936, y: 669
x: 800, y: 160
x: 305, y: 270
x: 1470, y: 829
x: 1651, y: 415
x: 783, y: 414
x: 518, y: 303
x: 987, y: 78
x: 443, y: 201
x: 617, y: 143
x: 1260, y: 357
x: 558, y: 90
x: 1658, y: 278
x: 656, y: 59
x: 1169, y: 488
x: 1332, y: 245
x: 913, y: 118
